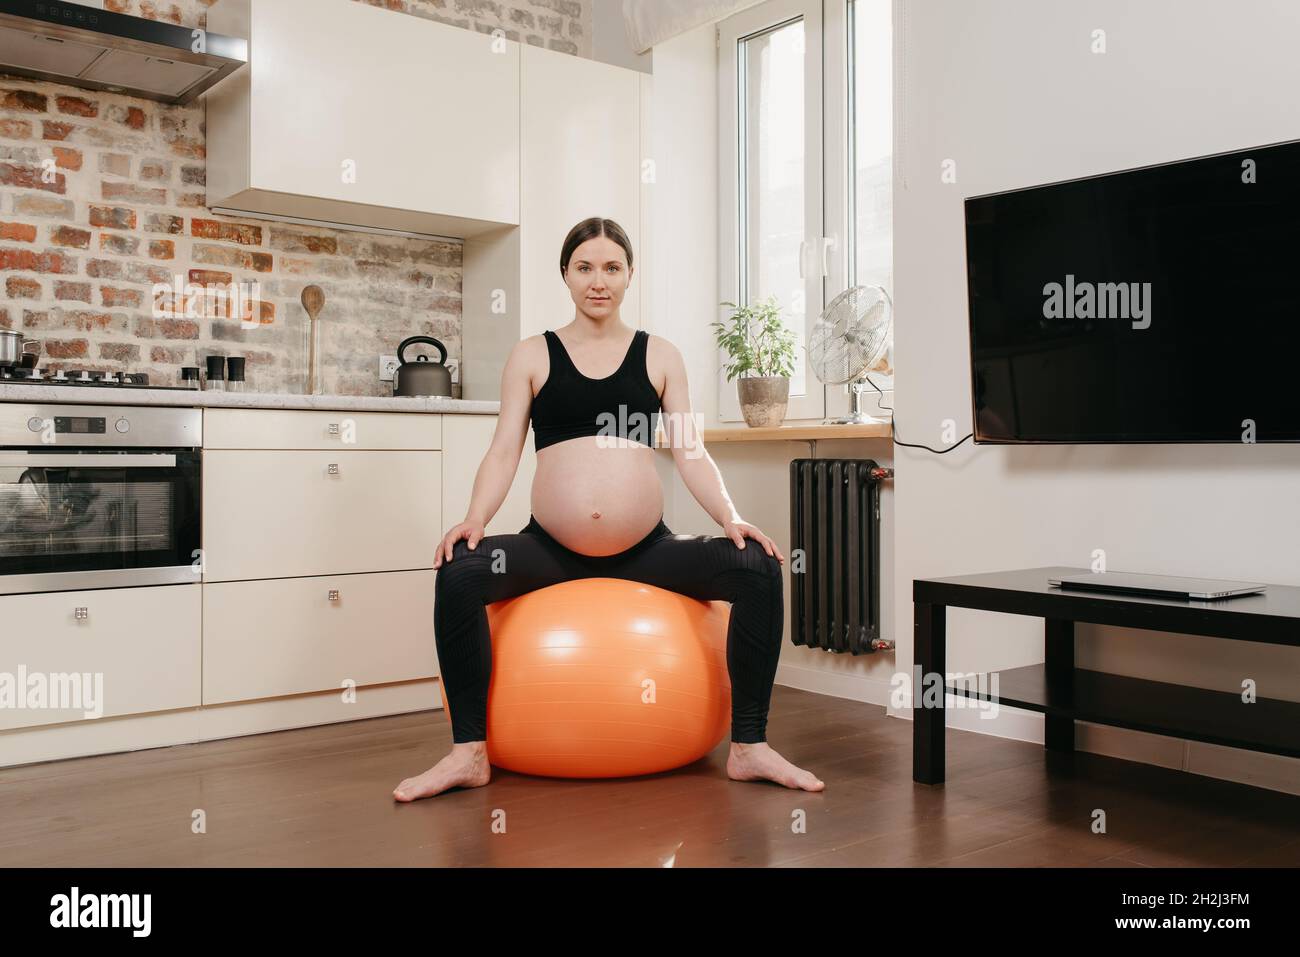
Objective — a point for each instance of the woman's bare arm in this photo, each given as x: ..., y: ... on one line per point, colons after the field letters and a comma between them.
x: 696, y: 466
x: 698, y: 470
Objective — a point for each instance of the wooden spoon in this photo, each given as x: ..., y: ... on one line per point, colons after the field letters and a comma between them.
x: 313, y: 300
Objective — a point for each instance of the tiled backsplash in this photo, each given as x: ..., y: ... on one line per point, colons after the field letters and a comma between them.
x: 103, y: 196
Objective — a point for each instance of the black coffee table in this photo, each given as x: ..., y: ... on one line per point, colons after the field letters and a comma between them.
x: 1065, y: 694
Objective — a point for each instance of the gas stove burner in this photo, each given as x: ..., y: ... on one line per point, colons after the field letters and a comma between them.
x: 83, y: 379
x: 17, y: 373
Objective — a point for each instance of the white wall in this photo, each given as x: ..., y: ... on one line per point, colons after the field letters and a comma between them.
x: 1010, y: 90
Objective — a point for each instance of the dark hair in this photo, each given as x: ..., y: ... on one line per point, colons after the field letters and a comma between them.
x: 589, y: 229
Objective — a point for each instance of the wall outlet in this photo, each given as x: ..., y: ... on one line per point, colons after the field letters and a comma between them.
x: 388, y: 368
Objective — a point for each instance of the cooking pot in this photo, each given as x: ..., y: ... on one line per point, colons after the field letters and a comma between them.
x: 422, y: 377
x: 12, y: 346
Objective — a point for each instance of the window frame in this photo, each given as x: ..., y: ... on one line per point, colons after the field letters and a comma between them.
x: 731, y: 32
x: 841, y: 90
x: 830, y: 178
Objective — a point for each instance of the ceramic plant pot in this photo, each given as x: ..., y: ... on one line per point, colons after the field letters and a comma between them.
x: 763, y: 399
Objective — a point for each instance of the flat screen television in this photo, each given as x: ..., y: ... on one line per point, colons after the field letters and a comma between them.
x: 1159, y: 304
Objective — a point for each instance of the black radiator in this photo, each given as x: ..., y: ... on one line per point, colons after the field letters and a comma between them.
x: 835, y: 521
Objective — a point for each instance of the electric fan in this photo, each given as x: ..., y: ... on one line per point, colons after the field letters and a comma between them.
x: 847, y: 340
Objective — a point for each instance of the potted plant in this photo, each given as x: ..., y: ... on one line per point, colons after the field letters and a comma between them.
x: 762, y: 353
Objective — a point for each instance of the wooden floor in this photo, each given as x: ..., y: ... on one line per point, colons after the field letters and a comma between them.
x: 322, y: 797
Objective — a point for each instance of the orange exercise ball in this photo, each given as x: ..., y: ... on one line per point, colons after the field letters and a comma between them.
x: 605, y: 677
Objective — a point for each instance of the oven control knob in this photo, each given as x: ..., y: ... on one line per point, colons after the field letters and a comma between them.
x: 35, y: 424
x: 122, y: 425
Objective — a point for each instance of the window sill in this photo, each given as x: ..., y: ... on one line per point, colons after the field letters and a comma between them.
x: 792, y: 433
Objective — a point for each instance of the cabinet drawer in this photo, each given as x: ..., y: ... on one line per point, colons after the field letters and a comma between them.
x: 267, y: 638
x: 283, y: 514
x: 312, y: 429
x: 144, y: 642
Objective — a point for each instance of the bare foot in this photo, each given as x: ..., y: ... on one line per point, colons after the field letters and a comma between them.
x: 758, y: 762
x: 465, y: 766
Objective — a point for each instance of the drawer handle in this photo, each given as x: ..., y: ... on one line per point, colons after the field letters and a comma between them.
x: 332, y: 468
x: 334, y: 594
x: 81, y: 613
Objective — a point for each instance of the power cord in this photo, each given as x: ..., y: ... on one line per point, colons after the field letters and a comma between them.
x: 894, y: 428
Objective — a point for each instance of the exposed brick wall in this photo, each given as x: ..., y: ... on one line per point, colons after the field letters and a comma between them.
x: 103, y: 196
x: 563, y: 25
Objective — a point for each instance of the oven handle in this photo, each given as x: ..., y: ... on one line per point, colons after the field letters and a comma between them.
x: 88, y: 460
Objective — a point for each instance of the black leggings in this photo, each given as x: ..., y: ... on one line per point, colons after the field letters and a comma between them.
x: 701, y: 566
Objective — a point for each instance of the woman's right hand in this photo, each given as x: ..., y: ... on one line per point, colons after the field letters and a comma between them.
x: 472, y: 532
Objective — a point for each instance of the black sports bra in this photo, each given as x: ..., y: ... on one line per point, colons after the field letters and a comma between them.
x: 570, y: 404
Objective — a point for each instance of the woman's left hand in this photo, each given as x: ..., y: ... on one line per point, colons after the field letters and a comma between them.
x: 739, y: 531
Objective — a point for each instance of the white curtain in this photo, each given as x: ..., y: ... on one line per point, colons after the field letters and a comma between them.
x: 653, y: 21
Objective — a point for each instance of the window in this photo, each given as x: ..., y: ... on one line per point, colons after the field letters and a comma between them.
x: 870, y: 143
x: 806, y: 169
x: 772, y: 169
x: 770, y: 155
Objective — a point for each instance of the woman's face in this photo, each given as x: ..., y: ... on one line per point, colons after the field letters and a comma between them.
x: 598, y: 277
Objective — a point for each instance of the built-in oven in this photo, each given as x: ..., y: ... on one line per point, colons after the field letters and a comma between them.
x: 98, y: 496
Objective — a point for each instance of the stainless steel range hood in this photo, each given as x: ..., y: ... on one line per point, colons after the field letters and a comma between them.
x: 101, y: 50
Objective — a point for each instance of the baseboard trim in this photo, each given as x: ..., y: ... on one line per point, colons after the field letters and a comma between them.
x: 193, y: 725
x: 1240, y: 766
x: 852, y: 687
x: 190, y: 726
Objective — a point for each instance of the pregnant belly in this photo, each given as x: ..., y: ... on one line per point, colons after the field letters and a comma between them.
x: 597, y: 501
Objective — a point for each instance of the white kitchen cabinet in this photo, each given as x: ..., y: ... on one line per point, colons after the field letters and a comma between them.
x: 581, y: 154
x: 292, y: 636
x: 467, y: 440
x: 351, y: 114
x: 143, y: 643
x: 311, y: 579
x: 281, y: 514
x: 312, y: 429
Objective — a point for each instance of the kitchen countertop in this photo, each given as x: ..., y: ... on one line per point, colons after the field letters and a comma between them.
x: 142, y: 395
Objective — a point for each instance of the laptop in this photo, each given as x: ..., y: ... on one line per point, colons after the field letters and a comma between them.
x: 1158, y: 586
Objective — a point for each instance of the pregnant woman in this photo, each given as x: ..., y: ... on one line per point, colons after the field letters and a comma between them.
x: 597, y: 511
